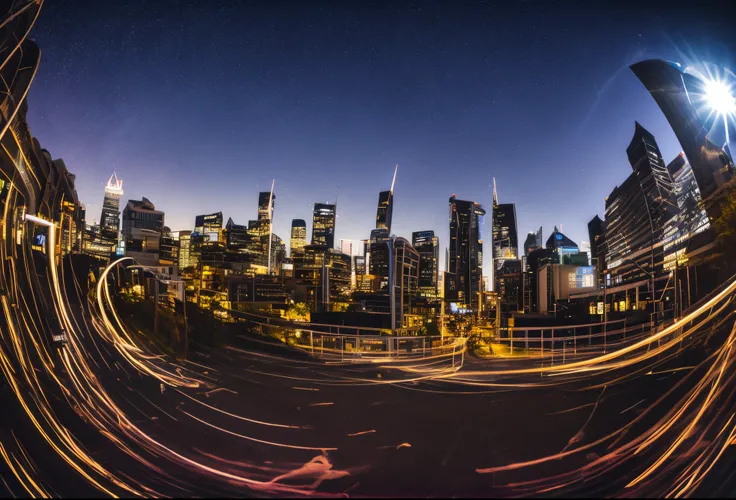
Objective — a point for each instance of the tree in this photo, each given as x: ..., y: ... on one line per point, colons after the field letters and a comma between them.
x: 298, y: 312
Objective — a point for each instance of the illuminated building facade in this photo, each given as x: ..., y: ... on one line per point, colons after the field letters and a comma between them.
x: 677, y: 93
x: 509, y: 285
x: 298, y: 236
x: 169, y: 248
x: 385, y: 210
x: 266, y: 204
x: 428, y: 247
x: 694, y: 218
x: 375, y: 293
x: 379, y: 259
x: 236, y: 236
x: 406, y: 278
x: 278, y: 254
x: 535, y: 261
x: 185, y: 243
x: 505, y: 241
x: 641, y: 216
x: 465, y: 263
x: 143, y: 226
x: 561, y: 244
x: 323, y: 225
x: 323, y: 278
x: 209, y: 225
x: 110, y: 218
x: 31, y: 182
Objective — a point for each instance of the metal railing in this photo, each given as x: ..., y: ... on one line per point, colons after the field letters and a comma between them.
x: 365, y: 348
x: 375, y: 348
x: 563, y: 341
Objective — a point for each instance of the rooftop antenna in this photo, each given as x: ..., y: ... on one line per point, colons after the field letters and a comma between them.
x: 394, y: 181
x: 270, y: 224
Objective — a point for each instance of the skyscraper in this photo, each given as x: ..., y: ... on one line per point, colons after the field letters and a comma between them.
x: 323, y: 225
x: 533, y: 241
x: 465, y: 251
x: 505, y: 235
x: 681, y: 97
x: 143, y: 226
x: 641, y: 215
x: 379, y: 256
x: 266, y: 204
x: 693, y: 217
x: 386, y: 206
x: 428, y: 247
x: 209, y: 225
x: 185, y: 240
x: 561, y: 244
x: 236, y: 237
x: 110, y: 218
x: 654, y: 178
x: 298, y: 236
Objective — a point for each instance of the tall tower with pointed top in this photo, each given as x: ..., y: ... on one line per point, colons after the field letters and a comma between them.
x: 505, y: 235
x: 110, y: 218
x: 386, y: 206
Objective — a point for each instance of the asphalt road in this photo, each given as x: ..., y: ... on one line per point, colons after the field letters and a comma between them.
x: 267, y: 410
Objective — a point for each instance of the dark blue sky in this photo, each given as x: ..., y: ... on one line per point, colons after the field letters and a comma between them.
x: 198, y: 105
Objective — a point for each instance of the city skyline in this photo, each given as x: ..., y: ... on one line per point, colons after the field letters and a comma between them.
x: 479, y: 126
x: 135, y: 362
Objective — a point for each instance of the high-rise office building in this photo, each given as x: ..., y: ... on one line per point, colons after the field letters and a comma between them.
x: 465, y: 253
x: 505, y: 235
x: 185, y: 240
x: 209, y: 225
x: 378, y: 263
x: 533, y: 241
x: 505, y: 244
x: 428, y: 247
x: 278, y: 254
x: 236, y: 236
x: 169, y: 248
x: 143, y: 226
x: 561, y: 244
x: 266, y: 204
x: 681, y: 97
x: 655, y: 180
x: 323, y: 225
x: 385, y: 209
x: 298, y: 236
x: 110, y: 218
x: 509, y: 285
x: 694, y: 219
x: 641, y: 215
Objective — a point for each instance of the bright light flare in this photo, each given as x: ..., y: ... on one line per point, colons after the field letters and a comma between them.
x: 720, y: 97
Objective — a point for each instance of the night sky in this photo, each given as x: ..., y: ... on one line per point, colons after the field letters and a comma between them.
x: 199, y: 105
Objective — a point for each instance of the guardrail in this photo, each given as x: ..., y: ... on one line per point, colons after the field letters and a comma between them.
x: 570, y: 339
x: 317, y: 327
x: 365, y: 348
x: 383, y: 348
